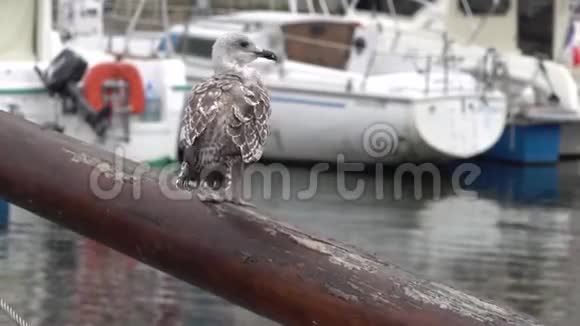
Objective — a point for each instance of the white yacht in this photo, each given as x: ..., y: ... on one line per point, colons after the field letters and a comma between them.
x: 528, y: 54
x: 329, y: 103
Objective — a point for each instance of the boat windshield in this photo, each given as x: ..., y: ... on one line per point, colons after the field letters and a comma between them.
x: 325, y: 44
x: 193, y: 46
x: 401, y: 7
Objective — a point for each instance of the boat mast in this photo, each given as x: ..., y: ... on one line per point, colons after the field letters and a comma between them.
x: 130, y: 30
x: 324, y: 7
x: 310, y: 6
x: 293, y: 6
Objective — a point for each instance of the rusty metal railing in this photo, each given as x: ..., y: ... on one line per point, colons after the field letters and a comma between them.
x: 237, y: 253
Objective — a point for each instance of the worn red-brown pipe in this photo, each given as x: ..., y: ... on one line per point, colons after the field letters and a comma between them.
x: 236, y: 253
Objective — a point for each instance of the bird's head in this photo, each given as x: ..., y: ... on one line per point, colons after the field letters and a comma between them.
x: 233, y: 51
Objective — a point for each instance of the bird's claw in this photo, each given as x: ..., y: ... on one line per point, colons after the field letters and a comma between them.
x: 205, y: 196
x: 185, y: 184
x: 210, y: 196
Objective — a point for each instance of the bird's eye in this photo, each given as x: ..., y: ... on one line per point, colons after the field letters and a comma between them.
x: 244, y: 44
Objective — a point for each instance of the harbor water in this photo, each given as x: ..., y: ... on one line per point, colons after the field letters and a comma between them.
x: 510, y: 234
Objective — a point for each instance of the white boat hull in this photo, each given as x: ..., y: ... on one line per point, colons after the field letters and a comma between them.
x: 331, y: 129
x: 331, y: 110
x: 321, y: 125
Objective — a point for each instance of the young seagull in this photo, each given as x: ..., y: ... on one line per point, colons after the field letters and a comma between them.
x: 225, y: 123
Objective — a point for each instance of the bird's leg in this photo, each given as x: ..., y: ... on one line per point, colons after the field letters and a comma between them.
x: 213, y: 184
x: 228, y: 188
x: 238, y: 183
x: 183, y: 181
x: 227, y: 185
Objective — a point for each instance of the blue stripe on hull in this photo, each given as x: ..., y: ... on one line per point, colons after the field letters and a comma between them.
x: 286, y: 99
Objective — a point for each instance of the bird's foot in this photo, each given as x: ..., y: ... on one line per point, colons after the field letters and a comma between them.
x: 210, y: 196
x: 185, y: 184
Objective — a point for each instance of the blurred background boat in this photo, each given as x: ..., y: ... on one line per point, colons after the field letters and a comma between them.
x: 501, y: 40
x: 399, y: 45
x: 535, y: 69
x: 82, y: 93
x: 328, y: 100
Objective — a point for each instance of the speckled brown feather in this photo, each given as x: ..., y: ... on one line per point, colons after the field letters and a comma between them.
x: 224, y: 119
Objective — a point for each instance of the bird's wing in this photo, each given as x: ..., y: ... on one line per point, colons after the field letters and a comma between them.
x: 204, y: 103
x: 248, y: 107
x: 248, y: 126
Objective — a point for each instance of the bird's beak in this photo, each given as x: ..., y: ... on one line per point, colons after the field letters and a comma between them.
x: 267, y: 54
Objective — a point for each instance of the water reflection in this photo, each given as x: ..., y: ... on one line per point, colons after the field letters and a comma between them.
x: 533, y: 184
x: 514, y: 240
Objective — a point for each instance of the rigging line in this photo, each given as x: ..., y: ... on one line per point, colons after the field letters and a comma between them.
x: 10, y: 312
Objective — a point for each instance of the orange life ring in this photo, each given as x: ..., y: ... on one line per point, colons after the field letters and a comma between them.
x: 101, y: 72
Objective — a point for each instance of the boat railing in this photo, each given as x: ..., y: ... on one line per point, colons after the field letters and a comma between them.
x: 137, y: 19
x: 150, y: 21
x: 156, y: 13
x: 322, y: 4
x: 122, y: 11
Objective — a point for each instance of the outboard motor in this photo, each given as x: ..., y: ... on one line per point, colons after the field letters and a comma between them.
x: 62, y: 76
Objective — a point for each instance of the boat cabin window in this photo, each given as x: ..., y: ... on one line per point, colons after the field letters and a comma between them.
x: 536, y: 27
x: 484, y: 7
x: 193, y: 46
x: 108, y: 6
x: 402, y: 7
x: 325, y: 44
